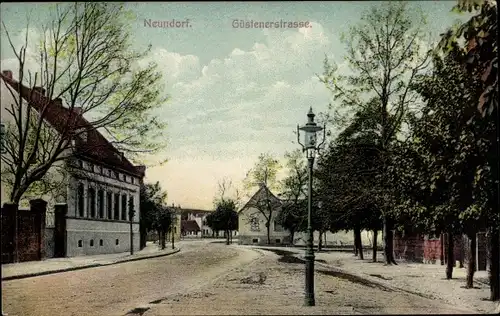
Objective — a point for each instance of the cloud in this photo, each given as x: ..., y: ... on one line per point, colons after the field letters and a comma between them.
x: 224, y: 113
x: 231, y: 109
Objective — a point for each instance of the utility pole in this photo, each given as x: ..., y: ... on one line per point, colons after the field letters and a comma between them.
x: 172, y: 223
x: 131, y: 213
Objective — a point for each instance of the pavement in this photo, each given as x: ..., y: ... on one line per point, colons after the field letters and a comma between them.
x: 425, y: 280
x: 23, y: 270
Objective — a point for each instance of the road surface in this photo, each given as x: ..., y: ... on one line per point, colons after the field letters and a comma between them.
x: 207, y: 278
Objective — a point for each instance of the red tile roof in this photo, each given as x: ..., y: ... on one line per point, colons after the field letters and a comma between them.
x: 190, y: 226
x: 67, y: 121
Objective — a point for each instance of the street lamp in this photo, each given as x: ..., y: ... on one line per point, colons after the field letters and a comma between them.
x: 310, y: 147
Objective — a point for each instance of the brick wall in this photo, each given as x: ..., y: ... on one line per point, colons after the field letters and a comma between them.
x: 409, y: 247
x: 432, y: 250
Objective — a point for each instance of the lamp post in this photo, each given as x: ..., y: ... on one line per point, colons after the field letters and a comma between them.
x: 131, y: 214
x: 310, y: 147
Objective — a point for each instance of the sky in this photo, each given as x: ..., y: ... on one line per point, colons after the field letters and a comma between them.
x: 234, y: 92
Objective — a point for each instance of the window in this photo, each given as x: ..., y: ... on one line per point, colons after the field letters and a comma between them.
x: 278, y: 241
x: 254, y: 224
x: 2, y: 138
x: 117, y: 206
x: 100, y: 203
x: 132, y: 179
x: 80, y: 243
x: 124, y: 207
x: 91, y: 167
x: 80, y: 200
x: 131, y: 206
x: 255, y: 241
x: 117, y: 241
x: 91, y: 201
x: 92, y: 243
x: 115, y: 174
x: 80, y: 163
x: 101, y: 242
x: 109, y: 205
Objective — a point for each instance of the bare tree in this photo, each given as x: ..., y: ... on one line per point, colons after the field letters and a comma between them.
x: 88, y: 80
x: 385, y: 53
x: 264, y: 176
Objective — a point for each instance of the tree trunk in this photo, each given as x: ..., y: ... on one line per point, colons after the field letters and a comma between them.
x: 494, y: 263
x: 388, y: 242
x: 227, y: 237
x: 441, y: 254
x: 450, y: 260
x: 462, y: 250
x: 143, y: 236
x: 320, y: 241
x: 173, y: 238
x: 268, y: 229
x: 162, y: 239
x: 292, y: 233
x: 324, y: 234
x: 360, y: 246
x: 375, y: 248
x: 471, y: 258
x: 355, y: 243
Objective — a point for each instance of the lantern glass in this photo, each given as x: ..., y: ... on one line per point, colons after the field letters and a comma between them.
x: 310, y: 139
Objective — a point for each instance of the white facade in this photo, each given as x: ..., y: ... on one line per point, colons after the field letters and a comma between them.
x: 98, y: 211
x: 90, y: 193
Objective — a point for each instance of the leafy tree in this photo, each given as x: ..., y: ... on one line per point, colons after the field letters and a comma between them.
x: 292, y: 215
x: 385, y: 53
x: 163, y: 222
x: 480, y: 56
x: 348, y: 176
x: 442, y: 169
x: 264, y: 175
x: 152, y: 200
x: 224, y: 218
x: 214, y: 222
x: 86, y: 62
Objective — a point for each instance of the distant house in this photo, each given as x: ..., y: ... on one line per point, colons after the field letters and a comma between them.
x: 189, y: 228
x: 199, y: 216
x: 252, y: 222
x: 102, y: 183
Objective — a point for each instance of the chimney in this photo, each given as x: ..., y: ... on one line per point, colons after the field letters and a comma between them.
x: 57, y: 102
x: 141, y: 169
x: 40, y: 90
x: 7, y: 73
x: 77, y: 110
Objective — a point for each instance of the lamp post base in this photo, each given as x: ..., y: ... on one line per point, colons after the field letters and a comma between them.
x: 309, y: 257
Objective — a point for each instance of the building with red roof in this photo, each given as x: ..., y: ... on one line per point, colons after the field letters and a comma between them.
x: 102, y: 183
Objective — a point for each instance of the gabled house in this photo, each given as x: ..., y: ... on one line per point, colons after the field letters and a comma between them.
x: 190, y: 228
x: 252, y: 220
x: 101, y: 186
x: 200, y: 217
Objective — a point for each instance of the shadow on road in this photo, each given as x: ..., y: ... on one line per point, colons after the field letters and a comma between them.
x: 288, y: 256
